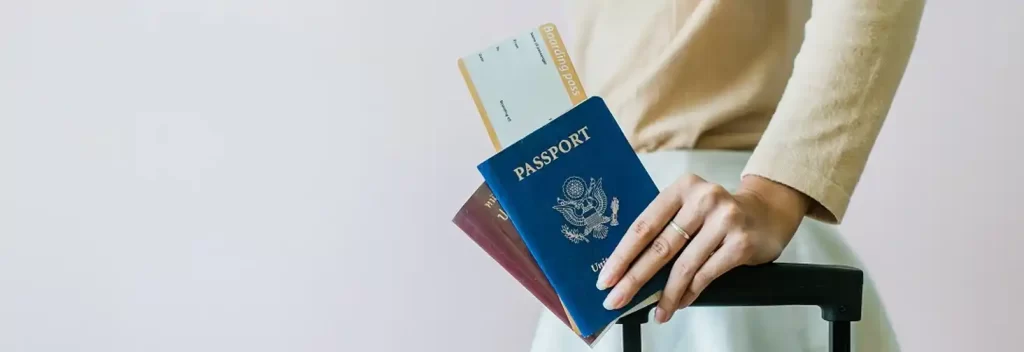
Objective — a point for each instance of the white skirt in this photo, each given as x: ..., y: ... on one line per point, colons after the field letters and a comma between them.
x: 739, y: 329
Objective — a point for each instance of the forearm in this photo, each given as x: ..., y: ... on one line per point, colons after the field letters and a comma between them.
x: 844, y: 79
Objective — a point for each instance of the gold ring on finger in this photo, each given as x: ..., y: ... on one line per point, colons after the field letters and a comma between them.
x: 679, y: 229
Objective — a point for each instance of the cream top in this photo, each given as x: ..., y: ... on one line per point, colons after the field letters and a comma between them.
x: 806, y: 87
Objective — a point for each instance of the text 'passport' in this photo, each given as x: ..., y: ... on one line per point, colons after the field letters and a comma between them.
x: 572, y: 188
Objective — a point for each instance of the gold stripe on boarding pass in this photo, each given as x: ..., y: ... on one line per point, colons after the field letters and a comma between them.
x: 522, y: 83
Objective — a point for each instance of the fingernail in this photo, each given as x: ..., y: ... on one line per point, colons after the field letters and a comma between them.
x: 613, y: 300
x: 604, y: 277
x: 659, y: 315
x: 602, y: 281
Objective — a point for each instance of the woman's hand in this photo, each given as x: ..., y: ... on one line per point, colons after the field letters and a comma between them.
x: 749, y: 227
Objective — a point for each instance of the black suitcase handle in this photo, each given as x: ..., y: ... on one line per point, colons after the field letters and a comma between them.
x: 836, y: 289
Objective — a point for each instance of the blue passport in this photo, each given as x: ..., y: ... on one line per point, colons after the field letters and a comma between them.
x: 572, y: 188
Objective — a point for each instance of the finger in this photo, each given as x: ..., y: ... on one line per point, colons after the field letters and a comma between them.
x: 701, y: 202
x: 719, y: 263
x: 690, y: 218
x: 643, y: 230
x: 687, y: 266
x: 662, y: 249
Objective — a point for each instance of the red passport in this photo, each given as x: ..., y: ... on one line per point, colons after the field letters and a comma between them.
x: 486, y: 223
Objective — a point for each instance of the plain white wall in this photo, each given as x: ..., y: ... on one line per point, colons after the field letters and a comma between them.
x: 937, y: 217
x: 256, y: 175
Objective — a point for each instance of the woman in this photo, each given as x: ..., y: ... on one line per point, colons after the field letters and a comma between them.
x: 756, y: 119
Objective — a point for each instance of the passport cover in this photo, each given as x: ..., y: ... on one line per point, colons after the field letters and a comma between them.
x: 571, y: 188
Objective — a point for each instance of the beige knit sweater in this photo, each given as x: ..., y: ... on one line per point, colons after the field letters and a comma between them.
x: 806, y: 86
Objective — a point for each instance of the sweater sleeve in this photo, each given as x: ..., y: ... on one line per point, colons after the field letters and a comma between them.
x: 843, y: 83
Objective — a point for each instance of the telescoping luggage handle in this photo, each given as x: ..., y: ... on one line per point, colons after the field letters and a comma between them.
x: 835, y: 289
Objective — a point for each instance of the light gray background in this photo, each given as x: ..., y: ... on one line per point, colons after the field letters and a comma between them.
x: 220, y: 175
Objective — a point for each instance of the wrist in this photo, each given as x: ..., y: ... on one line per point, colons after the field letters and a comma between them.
x: 783, y: 202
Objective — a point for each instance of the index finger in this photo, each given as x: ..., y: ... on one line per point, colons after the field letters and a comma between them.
x: 644, y: 229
